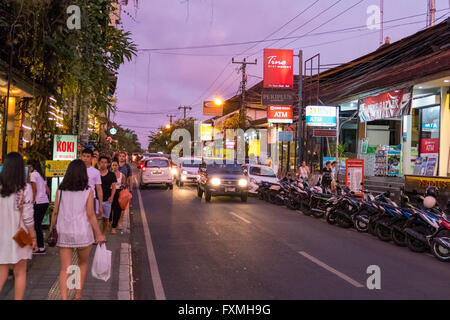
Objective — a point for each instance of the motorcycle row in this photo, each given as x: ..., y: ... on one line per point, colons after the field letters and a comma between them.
x: 416, y: 222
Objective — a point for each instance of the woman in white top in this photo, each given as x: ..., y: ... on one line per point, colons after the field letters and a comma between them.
x: 75, y: 223
x: 40, y: 201
x: 120, y: 185
x: 15, y: 197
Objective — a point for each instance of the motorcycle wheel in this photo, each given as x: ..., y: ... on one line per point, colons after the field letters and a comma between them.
x: 371, y: 227
x: 331, y: 217
x: 383, y: 233
x: 343, y: 222
x: 398, y: 238
x: 414, y: 244
x: 361, y: 226
x: 304, y: 208
x: 440, y: 252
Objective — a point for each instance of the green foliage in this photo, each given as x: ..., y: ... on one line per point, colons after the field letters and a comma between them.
x: 77, y: 67
x: 127, y: 140
x: 160, y: 140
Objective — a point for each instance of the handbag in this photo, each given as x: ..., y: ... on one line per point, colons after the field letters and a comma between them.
x: 124, y: 199
x: 53, y: 236
x: 22, y: 237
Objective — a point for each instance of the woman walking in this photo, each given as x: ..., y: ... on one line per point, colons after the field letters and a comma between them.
x: 16, y: 211
x: 75, y: 222
x: 120, y: 185
x: 40, y: 201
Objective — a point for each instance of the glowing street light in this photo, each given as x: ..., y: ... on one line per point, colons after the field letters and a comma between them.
x: 218, y: 101
x: 167, y: 126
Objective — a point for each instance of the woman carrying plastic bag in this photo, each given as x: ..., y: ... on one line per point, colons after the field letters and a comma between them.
x: 101, y: 266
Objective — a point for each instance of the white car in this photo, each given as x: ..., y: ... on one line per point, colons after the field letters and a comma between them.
x: 257, y: 173
x: 188, y: 170
x: 156, y: 171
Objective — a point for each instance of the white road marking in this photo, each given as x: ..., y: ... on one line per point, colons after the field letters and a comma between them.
x: 156, y: 278
x: 332, y: 270
x: 239, y: 217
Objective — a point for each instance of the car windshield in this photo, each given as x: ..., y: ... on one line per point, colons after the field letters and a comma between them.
x: 157, y: 163
x: 190, y: 164
x: 262, y: 172
x: 224, y: 168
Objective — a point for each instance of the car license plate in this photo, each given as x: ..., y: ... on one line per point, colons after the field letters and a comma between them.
x: 157, y: 172
x: 230, y: 189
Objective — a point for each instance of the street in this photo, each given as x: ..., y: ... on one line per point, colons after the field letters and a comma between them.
x: 232, y: 250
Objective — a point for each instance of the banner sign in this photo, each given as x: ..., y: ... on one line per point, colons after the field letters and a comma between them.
x: 211, y: 109
x: 279, y: 114
x: 392, y: 104
x: 324, y: 133
x: 277, y: 97
x: 429, y: 145
x: 278, y: 68
x: 65, y: 147
x: 56, y: 168
x: 354, y: 174
x: 321, y: 116
x: 285, y: 136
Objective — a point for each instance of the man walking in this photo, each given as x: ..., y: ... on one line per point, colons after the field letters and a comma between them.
x: 109, y: 189
x: 95, y: 181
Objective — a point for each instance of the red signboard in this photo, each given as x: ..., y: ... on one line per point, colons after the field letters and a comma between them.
x: 278, y: 68
x: 324, y: 133
x: 279, y: 114
x: 429, y: 145
x: 392, y: 104
x: 354, y: 174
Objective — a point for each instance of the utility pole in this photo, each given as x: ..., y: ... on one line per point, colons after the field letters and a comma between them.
x: 243, y: 84
x: 171, y: 116
x: 431, y: 13
x: 300, y: 105
x: 381, y: 22
x: 184, y: 110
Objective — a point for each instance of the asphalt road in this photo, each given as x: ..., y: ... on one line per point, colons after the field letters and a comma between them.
x: 232, y: 250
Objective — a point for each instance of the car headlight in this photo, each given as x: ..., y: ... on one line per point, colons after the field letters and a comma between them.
x: 174, y: 171
x: 185, y: 172
x: 215, y: 181
x: 242, y: 182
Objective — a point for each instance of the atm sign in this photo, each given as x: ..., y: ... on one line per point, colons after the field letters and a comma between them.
x: 279, y: 114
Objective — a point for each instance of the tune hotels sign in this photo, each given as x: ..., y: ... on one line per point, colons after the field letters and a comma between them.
x: 278, y: 68
x: 279, y: 114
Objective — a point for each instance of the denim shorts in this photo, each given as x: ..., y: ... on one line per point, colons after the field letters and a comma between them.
x: 106, y: 209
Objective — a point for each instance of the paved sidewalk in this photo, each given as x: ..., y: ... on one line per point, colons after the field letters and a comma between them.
x: 43, y: 273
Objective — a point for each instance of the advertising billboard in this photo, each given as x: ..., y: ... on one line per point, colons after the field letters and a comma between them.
x: 65, y: 147
x: 278, y: 68
x: 321, y: 116
x: 279, y: 114
x: 392, y: 104
x: 211, y: 109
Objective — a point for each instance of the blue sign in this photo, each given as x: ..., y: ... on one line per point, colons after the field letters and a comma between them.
x: 321, y: 116
x: 285, y: 136
x: 429, y: 126
x: 321, y: 121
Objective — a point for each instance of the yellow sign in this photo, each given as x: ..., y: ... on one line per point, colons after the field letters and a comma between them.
x: 419, y: 182
x: 56, y: 168
x: 253, y: 147
x: 206, y: 131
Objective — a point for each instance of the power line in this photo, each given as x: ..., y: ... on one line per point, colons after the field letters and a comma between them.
x: 269, y: 40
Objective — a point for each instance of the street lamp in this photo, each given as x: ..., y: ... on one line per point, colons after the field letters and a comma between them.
x: 167, y: 126
x: 218, y: 101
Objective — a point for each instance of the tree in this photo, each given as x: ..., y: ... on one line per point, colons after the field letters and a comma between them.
x: 77, y: 67
x: 160, y: 140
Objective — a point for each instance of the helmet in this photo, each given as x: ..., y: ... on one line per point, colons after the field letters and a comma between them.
x: 432, y: 191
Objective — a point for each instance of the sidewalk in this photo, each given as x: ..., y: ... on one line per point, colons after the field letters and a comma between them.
x: 43, y: 273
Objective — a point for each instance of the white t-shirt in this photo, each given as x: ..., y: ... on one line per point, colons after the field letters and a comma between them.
x: 41, y: 195
x: 94, y: 178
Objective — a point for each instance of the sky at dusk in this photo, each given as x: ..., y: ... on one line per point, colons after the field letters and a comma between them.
x: 158, y: 82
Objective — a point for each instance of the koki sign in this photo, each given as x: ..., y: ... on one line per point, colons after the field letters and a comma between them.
x: 65, y: 147
x: 279, y: 114
x: 278, y: 68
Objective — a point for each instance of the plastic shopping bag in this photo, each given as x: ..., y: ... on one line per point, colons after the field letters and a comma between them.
x: 101, y: 266
x: 124, y: 199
